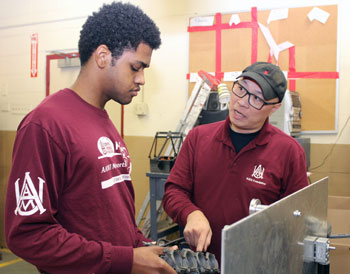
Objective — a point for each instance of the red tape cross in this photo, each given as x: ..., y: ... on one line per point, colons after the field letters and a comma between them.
x: 253, y: 24
x: 218, y: 27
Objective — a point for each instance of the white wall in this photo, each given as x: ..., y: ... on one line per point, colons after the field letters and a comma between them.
x: 58, y: 24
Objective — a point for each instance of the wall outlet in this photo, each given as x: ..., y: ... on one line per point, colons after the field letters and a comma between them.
x: 141, y: 108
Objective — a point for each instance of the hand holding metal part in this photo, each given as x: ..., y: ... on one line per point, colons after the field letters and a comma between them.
x: 184, y: 260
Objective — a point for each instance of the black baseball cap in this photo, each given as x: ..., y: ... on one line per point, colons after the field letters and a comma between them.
x: 269, y: 77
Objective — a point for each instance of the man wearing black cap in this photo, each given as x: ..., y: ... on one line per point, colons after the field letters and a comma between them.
x: 222, y: 166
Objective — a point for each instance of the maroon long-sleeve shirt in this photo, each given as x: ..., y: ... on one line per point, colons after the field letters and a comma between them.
x: 70, y: 200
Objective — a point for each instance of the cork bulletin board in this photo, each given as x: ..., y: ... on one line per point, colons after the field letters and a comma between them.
x: 309, y: 60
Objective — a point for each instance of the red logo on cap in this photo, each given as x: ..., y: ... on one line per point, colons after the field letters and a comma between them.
x: 266, y: 72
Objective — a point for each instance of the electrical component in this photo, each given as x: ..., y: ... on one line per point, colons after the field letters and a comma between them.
x: 224, y: 94
x: 141, y: 108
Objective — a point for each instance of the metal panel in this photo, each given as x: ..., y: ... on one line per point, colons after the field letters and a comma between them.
x: 271, y: 240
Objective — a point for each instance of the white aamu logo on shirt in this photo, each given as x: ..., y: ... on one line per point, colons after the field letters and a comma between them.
x: 106, y: 147
x: 258, y: 172
x: 29, y: 200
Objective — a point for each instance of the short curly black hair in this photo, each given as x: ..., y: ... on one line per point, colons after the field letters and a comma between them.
x: 119, y: 26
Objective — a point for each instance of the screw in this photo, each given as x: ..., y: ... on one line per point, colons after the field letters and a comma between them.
x: 297, y: 213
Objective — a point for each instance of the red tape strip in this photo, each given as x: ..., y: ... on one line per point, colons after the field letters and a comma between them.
x: 222, y: 27
x: 255, y: 27
x: 314, y: 75
x: 218, y: 47
x: 292, y: 83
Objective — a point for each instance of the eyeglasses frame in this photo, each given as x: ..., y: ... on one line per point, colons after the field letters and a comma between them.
x: 250, y: 94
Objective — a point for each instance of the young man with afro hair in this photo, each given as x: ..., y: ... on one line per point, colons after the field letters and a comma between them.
x: 70, y: 199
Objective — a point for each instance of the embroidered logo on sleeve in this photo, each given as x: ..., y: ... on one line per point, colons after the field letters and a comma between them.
x: 29, y: 200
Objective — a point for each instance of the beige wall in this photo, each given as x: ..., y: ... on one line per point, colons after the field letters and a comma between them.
x: 58, y: 23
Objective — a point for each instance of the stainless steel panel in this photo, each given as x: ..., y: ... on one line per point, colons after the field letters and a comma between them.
x: 271, y: 240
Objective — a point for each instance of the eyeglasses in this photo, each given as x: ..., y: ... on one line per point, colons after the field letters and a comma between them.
x: 254, y: 100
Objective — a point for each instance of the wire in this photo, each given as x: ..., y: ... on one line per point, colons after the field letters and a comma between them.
x: 338, y: 236
x: 332, y: 148
x: 163, y: 242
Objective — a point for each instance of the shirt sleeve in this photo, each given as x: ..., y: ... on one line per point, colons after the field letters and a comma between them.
x: 295, y: 175
x: 32, y: 230
x: 140, y: 238
x: 177, y: 199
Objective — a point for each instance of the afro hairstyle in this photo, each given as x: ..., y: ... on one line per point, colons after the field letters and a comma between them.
x: 119, y: 26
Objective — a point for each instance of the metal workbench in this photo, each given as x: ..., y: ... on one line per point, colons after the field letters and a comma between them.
x: 156, y: 188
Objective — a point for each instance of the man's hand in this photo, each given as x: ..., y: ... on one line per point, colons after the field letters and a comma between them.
x: 147, y: 260
x: 197, y: 231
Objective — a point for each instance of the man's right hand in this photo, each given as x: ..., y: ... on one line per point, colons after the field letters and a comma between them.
x: 197, y: 231
x: 147, y: 260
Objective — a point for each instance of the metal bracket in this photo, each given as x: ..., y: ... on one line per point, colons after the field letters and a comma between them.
x: 316, y: 249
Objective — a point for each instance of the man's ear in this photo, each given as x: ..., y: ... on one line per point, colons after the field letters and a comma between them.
x: 275, y: 107
x: 102, y: 54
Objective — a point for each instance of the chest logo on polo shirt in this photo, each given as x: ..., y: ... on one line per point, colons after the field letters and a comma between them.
x: 258, y: 172
x: 258, y: 175
x: 29, y: 200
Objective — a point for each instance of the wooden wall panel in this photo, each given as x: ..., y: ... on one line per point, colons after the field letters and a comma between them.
x: 332, y: 161
x: 6, y: 144
x: 139, y: 148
